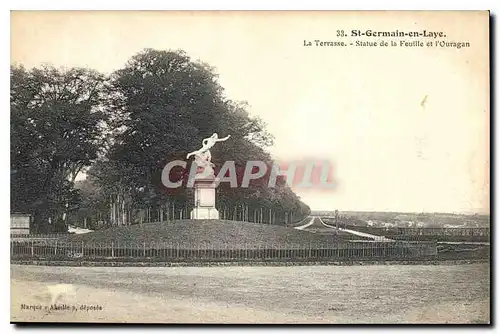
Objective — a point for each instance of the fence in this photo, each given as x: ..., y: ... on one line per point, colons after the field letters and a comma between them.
x: 173, y: 211
x: 475, y: 234
x: 446, y: 231
x: 33, y: 236
x: 58, y: 250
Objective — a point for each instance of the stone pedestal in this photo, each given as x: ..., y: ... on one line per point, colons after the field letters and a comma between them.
x: 204, y: 199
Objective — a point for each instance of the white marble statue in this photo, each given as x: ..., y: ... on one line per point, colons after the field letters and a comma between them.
x: 203, y: 157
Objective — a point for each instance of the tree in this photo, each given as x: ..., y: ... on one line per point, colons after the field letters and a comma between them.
x: 165, y: 104
x: 123, y: 130
x: 57, y: 128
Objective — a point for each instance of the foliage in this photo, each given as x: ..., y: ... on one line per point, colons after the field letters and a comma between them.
x: 125, y: 128
x: 57, y: 128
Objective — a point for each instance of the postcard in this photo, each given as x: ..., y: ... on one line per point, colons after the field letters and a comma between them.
x: 250, y: 167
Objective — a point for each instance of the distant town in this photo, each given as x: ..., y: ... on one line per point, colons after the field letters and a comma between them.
x: 404, y: 219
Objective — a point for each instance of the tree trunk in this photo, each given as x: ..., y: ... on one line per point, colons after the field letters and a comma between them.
x: 115, y: 220
x: 123, y: 213
x: 111, y: 210
x: 64, y: 214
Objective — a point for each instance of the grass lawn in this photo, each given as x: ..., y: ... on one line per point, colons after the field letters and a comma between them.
x: 207, y: 233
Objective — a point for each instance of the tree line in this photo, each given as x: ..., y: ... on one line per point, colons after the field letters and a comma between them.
x: 120, y: 130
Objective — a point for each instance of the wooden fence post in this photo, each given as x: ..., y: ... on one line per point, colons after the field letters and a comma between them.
x: 55, y: 249
x: 112, y: 249
x: 144, y: 249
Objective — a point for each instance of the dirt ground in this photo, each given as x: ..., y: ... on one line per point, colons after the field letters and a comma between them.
x: 314, y: 294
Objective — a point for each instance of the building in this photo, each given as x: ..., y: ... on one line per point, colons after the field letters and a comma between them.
x: 20, y: 223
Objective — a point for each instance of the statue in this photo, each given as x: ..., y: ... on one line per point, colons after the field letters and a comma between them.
x: 204, y: 195
x: 203, y: 157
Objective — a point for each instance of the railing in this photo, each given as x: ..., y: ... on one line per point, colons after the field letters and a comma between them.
x: 174, y: 252
x: 39, y: 236
x: 473, y: 234
x: 447, y: 231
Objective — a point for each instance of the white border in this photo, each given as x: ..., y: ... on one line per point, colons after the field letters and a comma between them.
x: 187, y: 5
x: 251, y: 5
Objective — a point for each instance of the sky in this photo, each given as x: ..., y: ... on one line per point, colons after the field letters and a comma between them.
x: 358, y: 107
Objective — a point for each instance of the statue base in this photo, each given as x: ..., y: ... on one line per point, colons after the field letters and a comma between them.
x: 204, y: 213
x: 204, y: 199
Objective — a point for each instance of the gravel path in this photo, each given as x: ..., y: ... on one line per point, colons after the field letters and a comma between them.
x: 315, y: 294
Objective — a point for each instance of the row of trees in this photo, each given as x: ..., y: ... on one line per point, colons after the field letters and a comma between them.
x: 121, y: 130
